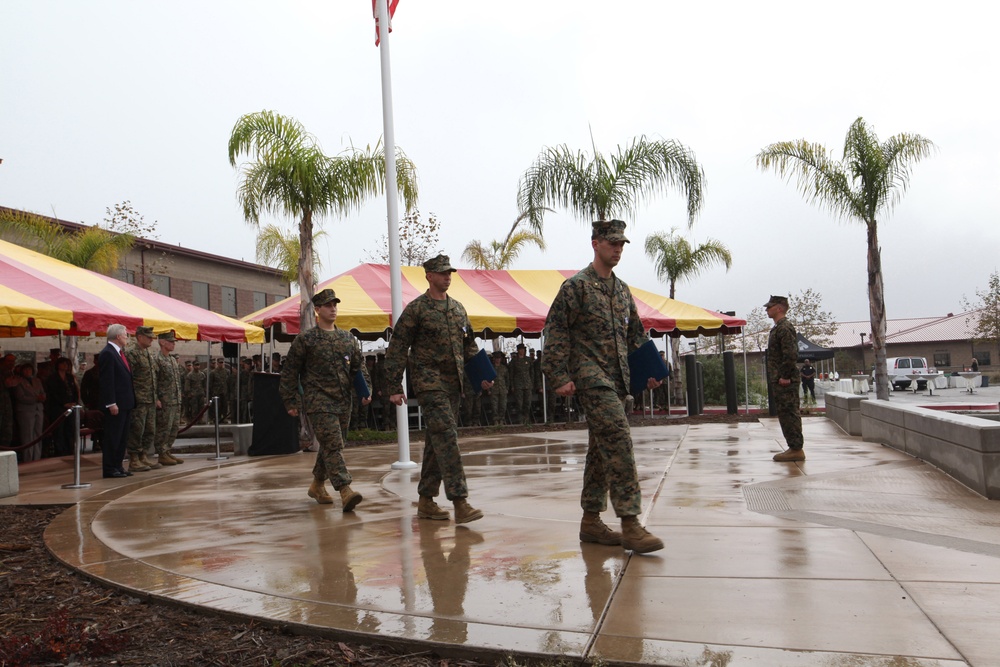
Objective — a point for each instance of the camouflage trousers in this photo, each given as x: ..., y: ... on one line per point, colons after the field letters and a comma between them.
x: 168, y: 422
x: 329, y: 429
x: 442, y: 461
x: 610, y: 467
x: 498, y: 404
x: 786, y: 403
x: 195, y: 402
x: 142, y: 428
x: 522, y: 399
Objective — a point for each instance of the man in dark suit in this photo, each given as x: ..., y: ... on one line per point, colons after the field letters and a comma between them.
x: 117, y: 400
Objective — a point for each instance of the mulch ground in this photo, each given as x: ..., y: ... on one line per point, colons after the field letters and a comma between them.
x: 51, y: 615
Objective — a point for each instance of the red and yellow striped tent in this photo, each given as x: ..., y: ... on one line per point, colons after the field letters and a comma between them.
x: 41, y: 296
x: 498, y: 303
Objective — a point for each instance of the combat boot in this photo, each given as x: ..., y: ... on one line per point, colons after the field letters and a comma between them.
x: 592, y: 529
x: 464, y: 512
x: 135, y: 463
x: 173, y: 458
x: 349, y: 498
x: 317, y: 491
x: 153, y: 465
x: 791, y: 454
x: 165, y: 459
x: 638, y: 539
x: 428, y: 509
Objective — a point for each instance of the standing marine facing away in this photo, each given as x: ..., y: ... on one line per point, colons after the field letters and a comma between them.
x: 592, y: 325
x: 434, y: 337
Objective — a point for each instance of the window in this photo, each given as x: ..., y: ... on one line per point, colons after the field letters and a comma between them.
x: 983, y: 357
x: 160, y: 284
x: 903, y: 363
x: 229, y: 301
x: 199, y: 292
x: 126, y: 276
x: 278, y: 298
x: 259, y: 300
x: 942, y: 359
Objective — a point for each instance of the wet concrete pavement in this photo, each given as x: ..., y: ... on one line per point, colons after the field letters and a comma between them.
x: 858, y: 556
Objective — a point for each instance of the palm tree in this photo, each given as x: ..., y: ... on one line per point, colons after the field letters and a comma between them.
x: 501, y: 254
x: 288, y: 174
x: 675, y: 260
x: 281, y: 249
x: 865, y: 184
x: 598, y: 189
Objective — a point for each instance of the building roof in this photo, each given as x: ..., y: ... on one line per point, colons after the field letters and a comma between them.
x: 910, y: 330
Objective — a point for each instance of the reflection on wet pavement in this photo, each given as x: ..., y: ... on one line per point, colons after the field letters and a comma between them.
x: 852, y: 557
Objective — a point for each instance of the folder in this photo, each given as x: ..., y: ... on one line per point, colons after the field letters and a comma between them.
x: 478, y: 369
x: 645, y: 363
x: 360, y: 385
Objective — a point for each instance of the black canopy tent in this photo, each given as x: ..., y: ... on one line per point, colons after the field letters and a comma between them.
x: 811, y: 351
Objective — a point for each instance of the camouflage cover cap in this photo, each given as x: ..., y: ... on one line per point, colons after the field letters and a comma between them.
x: 439, y: 264
x: 611, y: 230
x: 144, y: 331
x: 324, y: 297
x: 776, y: 301
x: 168, y: 336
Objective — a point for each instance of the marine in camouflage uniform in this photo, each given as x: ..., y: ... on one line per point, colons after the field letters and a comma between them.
x: 142, y: 427
x: 591, y: 327
x: 498, y: 394
x: 168, y: 395
x: 194, y: 391
x: 324, y: 361
x: 246, y: 390
x: 434, y: 338
x: 783, y: 378
x: 522, y: 379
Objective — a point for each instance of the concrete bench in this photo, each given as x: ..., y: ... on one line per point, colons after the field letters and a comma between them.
x: 8, y: 474
x: 845, y: 410
x: 965, y: 447
x: 242, y: 435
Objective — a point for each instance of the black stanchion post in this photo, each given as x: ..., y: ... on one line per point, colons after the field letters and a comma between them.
x: 77, y: 451
x: 218, y: 447
x: 691, y: 382
x: 729, y: 370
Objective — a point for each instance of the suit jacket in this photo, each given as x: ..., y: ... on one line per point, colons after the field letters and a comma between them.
x: 115, y: 380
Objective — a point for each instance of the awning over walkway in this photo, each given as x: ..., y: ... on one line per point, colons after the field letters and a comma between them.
x: 498, y: 303
x: 41, y: 296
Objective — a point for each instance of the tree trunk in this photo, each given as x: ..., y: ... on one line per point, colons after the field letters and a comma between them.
x: 307, y: 282
x: 876, y: 308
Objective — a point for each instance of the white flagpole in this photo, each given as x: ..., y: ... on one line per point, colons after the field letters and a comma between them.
x: 392, y: 211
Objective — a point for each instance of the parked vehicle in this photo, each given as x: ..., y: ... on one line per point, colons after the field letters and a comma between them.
x: 899, y: 367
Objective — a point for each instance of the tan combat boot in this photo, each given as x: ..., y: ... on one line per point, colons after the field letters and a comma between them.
x: 164, y: 459
x: 317, y: 491
x: 153, y: 465
x: 428, y: 509
x: 638, y: 539
x: 135, y: 463
x: 592, y: 529
x: 791, y: 454
x: 173, y: 458
x: 464, y: 512
x: 349, y: 498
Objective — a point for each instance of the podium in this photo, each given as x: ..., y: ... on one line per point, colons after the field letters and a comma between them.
x: 274, y: 430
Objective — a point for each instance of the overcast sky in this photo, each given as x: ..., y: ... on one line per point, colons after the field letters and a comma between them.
x: 106, y: 101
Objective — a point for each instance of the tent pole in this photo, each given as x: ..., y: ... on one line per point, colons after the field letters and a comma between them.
x: 746, y: 373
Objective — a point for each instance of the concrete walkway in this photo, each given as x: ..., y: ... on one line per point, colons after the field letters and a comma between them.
x: 860, y: 556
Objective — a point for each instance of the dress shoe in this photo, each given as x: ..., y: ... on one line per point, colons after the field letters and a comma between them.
x: 115, y: 473
x: 127, y: 473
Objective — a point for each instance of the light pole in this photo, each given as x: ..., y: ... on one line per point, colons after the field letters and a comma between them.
x: 862, y: 355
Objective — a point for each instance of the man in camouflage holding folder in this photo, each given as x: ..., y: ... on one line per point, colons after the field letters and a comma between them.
x: 324, y: 360
x: 592, y: 326
x: 434, y: 339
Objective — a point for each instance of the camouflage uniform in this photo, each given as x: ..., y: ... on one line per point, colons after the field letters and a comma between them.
x: 142, y: 427
x: 324, y: 362
x: 246, y: 392
x: 782, y: 357
x: 218, y: 385
x: 522, y: 379
x: 381, y: 389
x: 434, y: 338
x: 168, y: 392
x: 194, y: 391
x: 591, y: 327
x: 498, y: 394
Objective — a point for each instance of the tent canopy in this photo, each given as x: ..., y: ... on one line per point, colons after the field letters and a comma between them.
x: 498, y: 303
x: 812, y: 351
x: 41, y: 296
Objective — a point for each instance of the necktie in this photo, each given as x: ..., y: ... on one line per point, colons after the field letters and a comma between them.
x: 124, y: 360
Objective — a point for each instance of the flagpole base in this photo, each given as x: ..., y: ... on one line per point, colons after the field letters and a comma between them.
x: 403, y: 465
